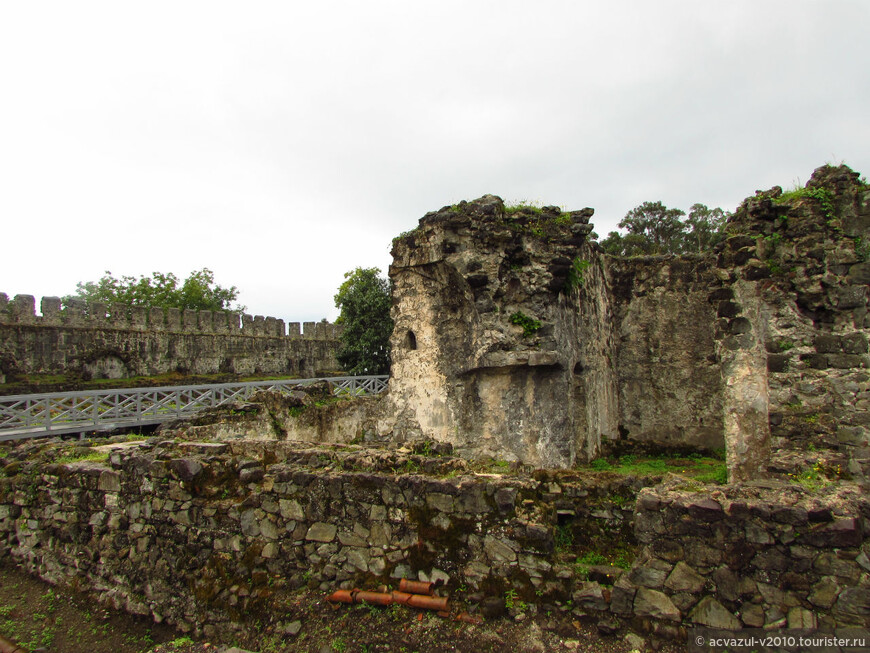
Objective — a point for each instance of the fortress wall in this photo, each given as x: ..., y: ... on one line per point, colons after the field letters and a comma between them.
x: 117, y: 341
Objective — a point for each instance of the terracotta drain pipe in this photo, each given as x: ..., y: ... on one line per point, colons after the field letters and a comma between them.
x: 338, y: 596
x: 415, y: 587
x: 428, y: 602
x: 8, y: 647
x: 436, y: 603
x: 376, y: 598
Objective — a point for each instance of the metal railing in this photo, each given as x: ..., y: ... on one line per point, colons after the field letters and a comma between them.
x: 56, y: 413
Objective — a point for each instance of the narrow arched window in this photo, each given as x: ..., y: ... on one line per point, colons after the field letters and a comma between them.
x: 410, y: 340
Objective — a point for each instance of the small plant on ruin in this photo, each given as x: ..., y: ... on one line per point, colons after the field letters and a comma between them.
x: 523, y: 205
x: 510, y: 597
x: 576, y: 275
x: 587, y: 560
x: 812, y: 479
x: 530, y: 325
x: 785, y: 344
x: 563, y: 537
x: 823, y: 196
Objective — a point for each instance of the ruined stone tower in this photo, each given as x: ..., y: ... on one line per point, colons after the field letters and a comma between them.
x: 502, y: 344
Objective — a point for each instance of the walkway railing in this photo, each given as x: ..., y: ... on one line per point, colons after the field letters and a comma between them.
x: 56, y: 413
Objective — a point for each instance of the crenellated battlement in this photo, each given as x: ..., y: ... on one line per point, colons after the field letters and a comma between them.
x: 21, y: 309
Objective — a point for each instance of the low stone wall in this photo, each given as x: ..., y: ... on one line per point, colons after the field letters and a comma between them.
x: 209, y: 535
x: 759, y: 555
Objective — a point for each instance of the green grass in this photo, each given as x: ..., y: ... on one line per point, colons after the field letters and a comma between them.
x: 706, y: 469
x: 619, y: 556
x: 823, y: 196
x: 91, y: 456
x: 523, y: 205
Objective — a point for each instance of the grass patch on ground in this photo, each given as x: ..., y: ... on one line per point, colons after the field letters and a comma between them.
x: 703, y: 468
x: 91, y: 456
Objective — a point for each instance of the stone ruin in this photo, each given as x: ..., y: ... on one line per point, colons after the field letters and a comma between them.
x: 518, y: 339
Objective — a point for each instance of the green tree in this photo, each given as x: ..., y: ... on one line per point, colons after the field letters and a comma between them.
x: 364, y: 301
x: 652, y: 228
x: 705, y: 227
x: 161, y: 290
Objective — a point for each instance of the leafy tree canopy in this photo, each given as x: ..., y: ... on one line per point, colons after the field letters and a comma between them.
x: 364, y: 301
x: 161, y: 290
x: 652, y: 228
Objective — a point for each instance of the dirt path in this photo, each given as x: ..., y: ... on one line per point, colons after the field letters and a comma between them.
x: 40, y: 617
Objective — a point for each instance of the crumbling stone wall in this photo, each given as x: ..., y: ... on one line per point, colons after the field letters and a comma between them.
x: 760, y: 555
x: 757, y: 346
x: 502, y: 339
x: 805, y: 258
x: 130, y: 341
x: 667, y: 366
x: 209, y: 536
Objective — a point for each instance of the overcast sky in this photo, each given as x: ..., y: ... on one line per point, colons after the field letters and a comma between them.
x: 281, y: 144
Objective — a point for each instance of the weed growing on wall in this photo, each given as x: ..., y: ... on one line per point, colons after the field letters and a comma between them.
x: 530, y: 325
x: 576, y: 276
x: 821, y: 195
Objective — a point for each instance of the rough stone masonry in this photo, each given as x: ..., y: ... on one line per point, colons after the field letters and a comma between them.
x: 518, y: 338
x: 118, y: 341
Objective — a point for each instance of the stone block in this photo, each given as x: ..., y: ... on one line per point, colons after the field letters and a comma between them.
x: 439, y: 501
x: 851, y: 297
x: 50, y: 308
x: 647, y: 576
x: 828, y: 344
x: 752, y: 615
x: 860, y: 273
x: 97, y: 312
x: 321, y: 532
x: 685, y: 579
x: 590, y: 596
x: 498, y: 551
x: 848, y: 361
x: 853, y: 601
x: 655, y: 604
x: 190, y: 323
x: 157, y: 319
x: 709, y: 612
x: 206, y: 321
x: 24, y: 308
x: 825, y: 593
x: 138, y: 318
x: 173, y: 319
x: 777, y: 363
x: 110, y: 481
